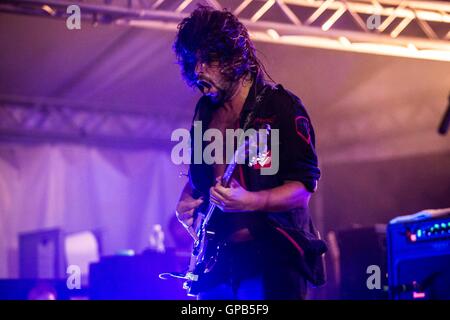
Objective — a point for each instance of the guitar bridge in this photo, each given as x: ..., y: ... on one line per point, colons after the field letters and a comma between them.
x: 191, y: 276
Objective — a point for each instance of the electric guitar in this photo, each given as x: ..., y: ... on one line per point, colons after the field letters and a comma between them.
x: 206, y: 247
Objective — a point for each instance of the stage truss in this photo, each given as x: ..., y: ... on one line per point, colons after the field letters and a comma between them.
x: 404, y: 28
x: 37, y: 119
x: 298, y: 22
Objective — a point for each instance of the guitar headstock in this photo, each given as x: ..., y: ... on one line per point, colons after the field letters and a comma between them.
x: 251, y: 143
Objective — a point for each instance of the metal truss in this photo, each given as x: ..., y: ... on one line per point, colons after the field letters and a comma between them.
x: 405, y: 28
x: 57, y: 119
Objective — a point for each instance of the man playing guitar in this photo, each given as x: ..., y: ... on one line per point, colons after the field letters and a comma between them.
x: 259, y: 214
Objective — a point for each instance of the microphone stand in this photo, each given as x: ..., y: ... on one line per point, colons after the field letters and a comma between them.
x: 443, y: 128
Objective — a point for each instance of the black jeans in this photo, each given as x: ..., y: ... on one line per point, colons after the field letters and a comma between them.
x: 250, y: 271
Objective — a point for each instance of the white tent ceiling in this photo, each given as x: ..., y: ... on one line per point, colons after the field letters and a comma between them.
x: 362, y: 105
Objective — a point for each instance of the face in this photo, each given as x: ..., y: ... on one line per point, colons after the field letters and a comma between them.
x: 212, y: 83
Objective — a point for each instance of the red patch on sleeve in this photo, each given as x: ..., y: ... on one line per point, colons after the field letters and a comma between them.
x: 302, y: 128
x: 264, y: 161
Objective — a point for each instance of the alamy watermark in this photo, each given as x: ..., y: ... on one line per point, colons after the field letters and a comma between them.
x: 73, y: 21
x: 374, y: 21
x: 374, y: 280
x: 252, y: 147
x: 73, y: 277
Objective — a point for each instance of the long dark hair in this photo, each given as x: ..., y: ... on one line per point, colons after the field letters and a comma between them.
x: 209, y: 35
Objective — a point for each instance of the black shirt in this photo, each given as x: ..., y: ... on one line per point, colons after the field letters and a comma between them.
x: 269, y: 106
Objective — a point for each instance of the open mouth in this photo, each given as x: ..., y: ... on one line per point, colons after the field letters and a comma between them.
x: 203, y: 85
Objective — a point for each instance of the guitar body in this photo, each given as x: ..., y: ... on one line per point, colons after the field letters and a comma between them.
x: 206, y: 249
x: 204, y: 261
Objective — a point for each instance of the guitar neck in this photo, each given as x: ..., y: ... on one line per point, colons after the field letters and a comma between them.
x: 228, y: 174
x: 226, y: 180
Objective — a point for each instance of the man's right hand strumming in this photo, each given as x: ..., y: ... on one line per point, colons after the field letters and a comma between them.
x: 185, y: 210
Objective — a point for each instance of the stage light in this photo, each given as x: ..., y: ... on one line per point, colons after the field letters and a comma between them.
x: 345, y: 41
x: 273, y: 33
x: 418, y: 295
x: 126, y: 252
x: 42, y: 291
x: 412, y: 47
x: 49, y: 10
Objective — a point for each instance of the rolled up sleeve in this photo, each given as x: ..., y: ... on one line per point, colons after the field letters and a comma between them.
x: 298, y: 158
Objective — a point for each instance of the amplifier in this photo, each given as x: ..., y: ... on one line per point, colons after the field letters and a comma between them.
x: 419, y: 256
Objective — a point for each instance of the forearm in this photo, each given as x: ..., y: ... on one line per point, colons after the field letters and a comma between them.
x: 187, y: 192
x: 291, y: 195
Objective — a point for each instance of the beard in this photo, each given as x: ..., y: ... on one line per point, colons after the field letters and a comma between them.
x: 224, y: 93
